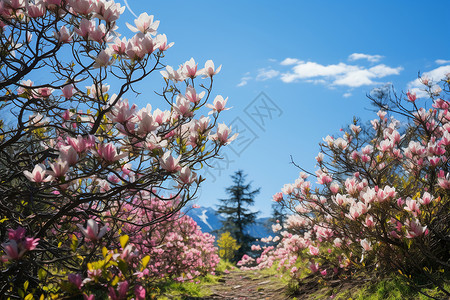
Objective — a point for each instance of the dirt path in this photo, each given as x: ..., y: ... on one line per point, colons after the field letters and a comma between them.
x: 248, y: 285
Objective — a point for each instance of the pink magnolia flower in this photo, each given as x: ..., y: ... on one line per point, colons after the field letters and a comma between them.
x: 109, y: 11
x: 314, y: 267
x: 426, y: 199
x: 144, y: 23
x: 411, y: 96
x: 190, y: 68
x: 412, y: 206
x: 369, y: 221
x: 68, y: 154
x: 63, y: 35
x: 103, y: 59
x: 366, y: 245
x: 337, y: 242
x: 76, y: 280
x: 37, y: 9
x: 313, y: 250
x: 31, y: 243
x: 209, y: 70
x: 171, y: 74
x: 12, y: 251
x: 415, y: 229
x: 187, y: 176
x: 222, y: 134
x: 122, y: 291
x: 83, y: 7
x: 92, y: 231
x: 139, y: 292
x: 85, y: 27
x: 109, y: 153
x: 183, y: 106
x: 39, y: 174
x: 120, y: 45
x: 278, y: 197
x: 334, y: 187
x: 169, y: 163
x: 192, y: 95
x: 161, y: 42
x: 59, y: 168
x: 67, y: 91
x: 17, y: 234
x: 218, y: 105
x: 15, y: 4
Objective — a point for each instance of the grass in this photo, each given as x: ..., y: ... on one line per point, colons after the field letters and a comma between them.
x: 199, y: 288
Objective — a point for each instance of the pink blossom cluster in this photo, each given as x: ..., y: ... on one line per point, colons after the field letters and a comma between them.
x: 378, y: 195
x: 177, y: 247
x: 18, y: 244
x: 80, y: 154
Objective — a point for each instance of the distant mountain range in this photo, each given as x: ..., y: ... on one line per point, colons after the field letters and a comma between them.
x: 209, y: 221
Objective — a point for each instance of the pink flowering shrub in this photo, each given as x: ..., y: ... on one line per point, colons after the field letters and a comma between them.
x: 74, y: 152
x: 176, y: 245
x: 381, y: 199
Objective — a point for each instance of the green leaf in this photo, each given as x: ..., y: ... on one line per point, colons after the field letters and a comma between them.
x: 124, y: 240
x: 42, y: 274
x: 123, y: 266
x: 29, y: 297
x: 104, y: 251
x: 25, y: 285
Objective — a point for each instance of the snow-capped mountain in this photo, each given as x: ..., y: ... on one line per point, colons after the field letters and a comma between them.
x: 209, y: 221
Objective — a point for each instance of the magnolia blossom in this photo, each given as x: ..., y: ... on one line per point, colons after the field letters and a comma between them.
x: 209, y: 70
x: 169, y: 163
x: 161, y: 42
x: 187, y: 176
x: 144, y: 23
x: 412, y: 206
x: 192, y: 95
x: 366, y: 245
x: 59, y: 168
x: 218, y: 105
x: 313, y: 250
x: 190, y: 68
x: 426, y: 199
x: 222, y: 134
x: 109, y: 153
x: 92, y: 231
x: 103, y: 59
x: 278, y: 197
x: 63, y: 35
x: 39, y: 174
x: 67, y: 91
x: 415, y: 229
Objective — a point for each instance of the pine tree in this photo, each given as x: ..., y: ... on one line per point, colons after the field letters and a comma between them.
x: 236, y: 212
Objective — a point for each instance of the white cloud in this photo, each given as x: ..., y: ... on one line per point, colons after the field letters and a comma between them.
x: 338, y: 74
x: 290, y: 61
x: 434, y: 76
x: 442, y: 61
x: 264, y: 74
x: 244, y: 81
x: 370, y: 58
x: 346, y: 95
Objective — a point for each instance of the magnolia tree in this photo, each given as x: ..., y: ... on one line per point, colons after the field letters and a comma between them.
x: 381, y: 203
x: 75, y: 155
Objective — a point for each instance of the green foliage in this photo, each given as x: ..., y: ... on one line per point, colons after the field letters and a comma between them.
x: 227, y: 246
x: 237, y: 215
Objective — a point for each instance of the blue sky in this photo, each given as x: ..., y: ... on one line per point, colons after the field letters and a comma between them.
x: 314, y: 62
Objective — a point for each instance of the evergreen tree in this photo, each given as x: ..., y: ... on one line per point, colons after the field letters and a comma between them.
x: 236, y: 212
